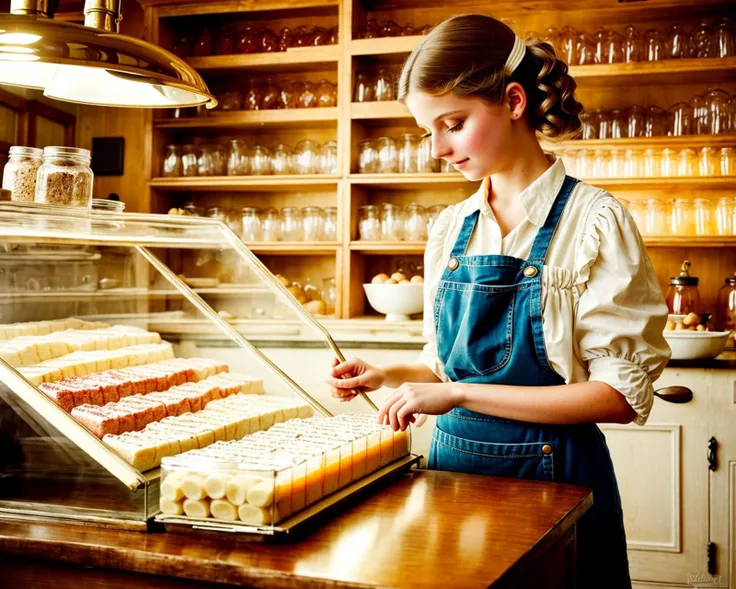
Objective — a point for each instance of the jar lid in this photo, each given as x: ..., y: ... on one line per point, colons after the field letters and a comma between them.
x: 730, y: 281
x: 110, y: 206
x: 684, y: 278
x: 62, y: 151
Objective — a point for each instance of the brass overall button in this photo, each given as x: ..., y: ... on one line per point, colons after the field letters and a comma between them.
x: 547, y: 449
x: 530, y: 271
x: 453, y: 263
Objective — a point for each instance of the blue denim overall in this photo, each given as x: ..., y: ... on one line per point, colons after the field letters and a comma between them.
x: 488, y: 318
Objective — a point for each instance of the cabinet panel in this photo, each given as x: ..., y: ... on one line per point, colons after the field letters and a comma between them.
x: 663, y: 477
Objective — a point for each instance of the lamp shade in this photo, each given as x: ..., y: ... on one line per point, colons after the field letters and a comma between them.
x: 82, y: 64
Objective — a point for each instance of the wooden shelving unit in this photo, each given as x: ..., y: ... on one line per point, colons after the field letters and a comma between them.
x: 613, y: 86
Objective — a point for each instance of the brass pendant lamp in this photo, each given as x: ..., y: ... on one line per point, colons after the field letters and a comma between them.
x: 90, y: 63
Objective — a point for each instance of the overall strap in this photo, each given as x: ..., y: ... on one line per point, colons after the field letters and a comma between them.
x: 547, y: 231
x: 461, y: 243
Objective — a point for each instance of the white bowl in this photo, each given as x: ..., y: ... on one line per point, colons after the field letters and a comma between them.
x: 692, y: 345
x: 397, y: 301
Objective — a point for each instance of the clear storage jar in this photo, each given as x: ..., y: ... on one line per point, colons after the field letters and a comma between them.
x: 387, y: 155
x: 292, y: 224
x: 654, y: 218
x: 65, y: 177
x: 683, y: 296
x: 724, y: 216
x: 392, y: 223
x: 271, y: 225
x: 189, y: 165
x: 250, y: 221
x: 19, y: 174
x: 314, y: 222
x: 369, y: 223
x: 329, y: 231
x: 407, y: 153
x: 416, y: 223
x: 172, y: 162
x: 367, y: 157
x: 726, y: 309
x: 702, y: 216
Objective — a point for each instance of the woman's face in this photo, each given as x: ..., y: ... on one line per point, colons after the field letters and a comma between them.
x: 466, y: 131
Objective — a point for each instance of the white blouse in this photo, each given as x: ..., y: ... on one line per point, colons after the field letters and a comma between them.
x: 603, y: 310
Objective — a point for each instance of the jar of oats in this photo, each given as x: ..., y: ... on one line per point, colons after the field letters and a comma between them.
x: 19, y: 175
x: 65, y: 177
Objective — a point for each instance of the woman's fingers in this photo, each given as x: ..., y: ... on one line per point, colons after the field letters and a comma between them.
x: 345, y: 383
x: 393, y: 413
x: 405, y: 416
x: 383, y: 413
x: 341, y: 368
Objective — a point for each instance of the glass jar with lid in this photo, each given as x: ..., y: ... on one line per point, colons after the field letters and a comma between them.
x: 329, y: 230
x: 238, y: 162
x: 369, y: 223
x: 708, y: 162
x: 702, y: 216
x: 19, y: 174
x: 669, y: 162
x: 416, y: 223
x: 426, y: 164
x: 271, y: 225
x: 724, y: 216
x: 728, y: 159
x: 652, y: 163
x: 260, y: 161
x: 726, y: 308
x: 654, y: 217
x: 305, y: 157
x: 65, y: 177
x: 432, y: 213
x: 206, y: 161
x: 314, y: 221
x: 292, y: 224
x: 250, y: 222
x: 688, y: 163
x: 281, y: 159
x: 172, y: 162
x: 327, y: 158
x: 683, y: 296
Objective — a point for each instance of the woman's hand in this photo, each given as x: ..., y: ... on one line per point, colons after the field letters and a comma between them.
x: 399, y: 409
x: 346, y: 378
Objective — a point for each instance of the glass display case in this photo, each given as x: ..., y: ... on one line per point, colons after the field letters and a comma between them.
x: 92, y: 399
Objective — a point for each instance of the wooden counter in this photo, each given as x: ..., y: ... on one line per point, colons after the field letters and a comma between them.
x: 425, y: 529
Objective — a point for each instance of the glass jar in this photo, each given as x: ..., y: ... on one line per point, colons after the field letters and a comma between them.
x: 203, y: 45
x: 584, y: 163
x: 724, y: 216
x: 287, y: 95
x: 384, y: 87
x: 654, y: 217
x: 329, y: 231
x: 636, y: 121
x: 246, y: 40
x: 600, y: 163
x: 723, y: 38
x: 238, y: 162
x: 681, y: 217
x: 271, y: 225
x: 221, y: 214
x: 314, y: 222
x: 193, y: 210
x: 655, y: 122
x: 697, y: 103
x: 225, y: 43
x: 19, y: 174
x: 619, y: 124
x: 65, y: 177
x: 432, y: 213
x: 250, y: 223
x: 206, y: 161
x: 701, y: 40
x: 392, y: 223
x: 728, y: 161
x: 426, y: 164
x: 281, y: 159
x: 172, y: 162
x: 589, y: 131
x: 680, y: 117
x: 326, y: 94
x: 327, y: 158
x: 416, y: 223
x: 260, y: 161
x: 708, y: 162
x: 271, y: 97
x: 329, y: 295
x: 702, y: 216
x: 632, y: 45
x: 652, y: 163
x: 687, y: 163
x: 616, y: 163
x: 668, y: 159
x: 716, y: 112
x: 305, y: 157
x: 363, y: 91
x: 189, y: 165
x: 386, y: 155
x: 292, y: 224
x: 308, y: 97
x: 682, y: 295
x: 367, y: 157
x: 407, y: 153
x: 654, y: 45
x: 569, y: 45
x: 677, y: 44
x: 369, y: 223
x: 603, y: 119
x: 726, y: 308
x: 632, y: 163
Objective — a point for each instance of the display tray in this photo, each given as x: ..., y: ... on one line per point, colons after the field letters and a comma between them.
x: 292, y: 525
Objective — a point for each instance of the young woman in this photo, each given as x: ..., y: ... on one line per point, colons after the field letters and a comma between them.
x: 543, y: 314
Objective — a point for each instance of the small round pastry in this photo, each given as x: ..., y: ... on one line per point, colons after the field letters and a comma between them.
x: 417, y: 279
x: 398, y: 276
x: 379, y: 278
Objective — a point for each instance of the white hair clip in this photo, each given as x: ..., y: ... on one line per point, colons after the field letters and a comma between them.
x: 515, y: 57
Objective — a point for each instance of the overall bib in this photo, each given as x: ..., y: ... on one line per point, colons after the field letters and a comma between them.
x: 488, y: 318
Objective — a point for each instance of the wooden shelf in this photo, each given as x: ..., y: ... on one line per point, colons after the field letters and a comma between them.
x: 672, y: 71
x: 379, y: 110
x: 703, y: 182
x: 244, y: 119
x: 384, y: 45
x: 298, y: 248
x: 299, y: 59
x: 389, y: 247
x: 644, y: 142
x: 414, y: 181
x: 247, y: 183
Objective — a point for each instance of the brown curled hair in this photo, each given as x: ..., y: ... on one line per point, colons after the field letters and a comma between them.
x: 466, y: 54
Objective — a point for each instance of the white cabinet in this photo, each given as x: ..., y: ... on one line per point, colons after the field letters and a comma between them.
x: 673, y: 504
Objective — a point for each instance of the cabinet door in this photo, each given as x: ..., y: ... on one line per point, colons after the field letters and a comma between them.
x: 662, y: 473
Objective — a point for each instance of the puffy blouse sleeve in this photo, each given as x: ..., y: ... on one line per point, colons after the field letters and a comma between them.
x: 433, y: 269
x: 621, y: 311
